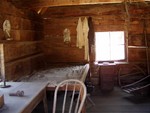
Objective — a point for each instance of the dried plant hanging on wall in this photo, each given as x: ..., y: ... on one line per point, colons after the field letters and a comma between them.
x: 67, y: 38
x: 6, y: 29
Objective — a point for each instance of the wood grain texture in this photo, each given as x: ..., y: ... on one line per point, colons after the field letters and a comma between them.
x: 25, y: 24
x: 22, y: 54
x: 28, y: 26
x: 22, y: 67
x: 52, y: 3
x: 16, y: 50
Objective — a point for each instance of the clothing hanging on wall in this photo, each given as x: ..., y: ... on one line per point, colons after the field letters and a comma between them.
x: 80, y: 40
x: 82, y: 36
x: 85, y: 36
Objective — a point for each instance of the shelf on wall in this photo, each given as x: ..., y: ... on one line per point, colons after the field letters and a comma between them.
x: 140, y: 47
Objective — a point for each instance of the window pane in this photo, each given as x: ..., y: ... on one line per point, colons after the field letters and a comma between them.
x: 103, y: 53
x: 117, y: 52
x: 117, y: 37
x: 103, y: 38
x: 110, y: 46
x: 102, y: 46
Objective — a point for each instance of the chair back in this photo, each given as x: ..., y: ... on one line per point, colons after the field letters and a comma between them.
x: 69, y: 96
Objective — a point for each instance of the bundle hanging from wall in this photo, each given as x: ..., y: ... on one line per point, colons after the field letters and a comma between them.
x: 67, y: 37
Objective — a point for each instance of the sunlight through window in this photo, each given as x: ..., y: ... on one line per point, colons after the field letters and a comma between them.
x: 110, y: 46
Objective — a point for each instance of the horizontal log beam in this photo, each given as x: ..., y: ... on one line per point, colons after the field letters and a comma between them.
x: 51, y: 3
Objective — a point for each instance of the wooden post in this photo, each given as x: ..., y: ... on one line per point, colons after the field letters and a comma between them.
x: 146, y: 45
x: 2, y: 66
x: 2, y: 62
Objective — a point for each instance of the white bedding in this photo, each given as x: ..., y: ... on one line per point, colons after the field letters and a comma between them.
x: 55, y: 75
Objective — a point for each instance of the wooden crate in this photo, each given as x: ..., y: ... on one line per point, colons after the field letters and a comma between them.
x: 107, y: 77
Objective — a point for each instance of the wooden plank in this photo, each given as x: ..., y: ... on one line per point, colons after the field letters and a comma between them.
x: 137, y: 55
x: 136, y: 40
x: 16, y: 50
x: 23, y: 67
x: 78, y: 11
x: 42, y: 10
x: 65, y: 54
x: 52, y: 3
x: 24, y: 23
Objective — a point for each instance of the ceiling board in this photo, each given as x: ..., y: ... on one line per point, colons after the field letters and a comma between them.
x: 66, y: 8
x: 76, y: 11
x: 51, y: 3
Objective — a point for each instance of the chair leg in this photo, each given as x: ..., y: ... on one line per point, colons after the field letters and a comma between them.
x: 90, y: 100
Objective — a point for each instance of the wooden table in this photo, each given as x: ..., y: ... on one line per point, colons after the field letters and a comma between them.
x: 34, y: 93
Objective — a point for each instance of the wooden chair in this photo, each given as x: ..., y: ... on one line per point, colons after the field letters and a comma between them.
x: 72, y: 93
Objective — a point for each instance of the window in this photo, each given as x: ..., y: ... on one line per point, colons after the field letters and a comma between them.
x: 110, y: 46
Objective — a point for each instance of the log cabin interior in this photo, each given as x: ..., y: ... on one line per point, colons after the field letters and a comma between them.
x: 112, y: 37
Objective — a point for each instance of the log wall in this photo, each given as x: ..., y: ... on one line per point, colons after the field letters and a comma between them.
x: 22, y: 54
x: 30, y: 43
x: 133, y: 19
x: 53, y: 44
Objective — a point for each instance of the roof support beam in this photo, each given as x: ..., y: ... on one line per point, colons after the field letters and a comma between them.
x: 52, y: 3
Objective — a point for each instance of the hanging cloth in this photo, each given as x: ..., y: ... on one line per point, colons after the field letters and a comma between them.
x: 79, y: 29
x: 85, y: 37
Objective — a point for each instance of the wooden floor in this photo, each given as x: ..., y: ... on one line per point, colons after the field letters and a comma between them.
x: 116, y: 101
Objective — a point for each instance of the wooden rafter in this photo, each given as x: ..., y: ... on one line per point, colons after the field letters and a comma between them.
x: 51, y: 3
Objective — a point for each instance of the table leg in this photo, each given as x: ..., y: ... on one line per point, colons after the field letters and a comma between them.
x: 45, y: 102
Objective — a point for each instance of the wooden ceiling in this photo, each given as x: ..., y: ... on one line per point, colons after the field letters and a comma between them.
x: 47, y: 6
x: 52, y: 3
